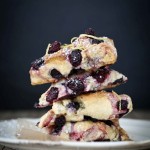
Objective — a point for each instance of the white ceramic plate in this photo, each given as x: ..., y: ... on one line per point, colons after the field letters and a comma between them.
x: 32, y: 139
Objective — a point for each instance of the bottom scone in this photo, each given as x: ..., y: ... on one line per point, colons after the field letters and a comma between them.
x: 87, y: 130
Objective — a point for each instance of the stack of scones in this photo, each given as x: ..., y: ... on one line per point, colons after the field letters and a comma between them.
x: 79, y: 74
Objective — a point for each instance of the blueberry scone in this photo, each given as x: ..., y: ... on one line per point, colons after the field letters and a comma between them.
x: 103, y: 78
x: 86, y: 130
x: 98, y: 106
x: 86, y: 52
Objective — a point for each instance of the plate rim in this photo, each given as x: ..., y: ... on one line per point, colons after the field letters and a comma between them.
x: 120, y: 144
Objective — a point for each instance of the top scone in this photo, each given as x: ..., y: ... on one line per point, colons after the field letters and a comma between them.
x: 86, y: 52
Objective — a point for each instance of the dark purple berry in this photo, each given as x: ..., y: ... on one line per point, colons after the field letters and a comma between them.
x: 37, y: 63
x: 59, y: 123
x: 90, y: 31
x: 95, y: 41
x: 123, y: 104
x: 55, y: 46
x: 119, y: 81
x: 52, y: 94
x: 56, y: 74
x: 101, y: 74
x: 76, y: 86
x: 75, y: 105
x: 75, y: 57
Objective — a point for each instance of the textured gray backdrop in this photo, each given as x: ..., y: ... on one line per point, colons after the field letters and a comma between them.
x: 27, y: 26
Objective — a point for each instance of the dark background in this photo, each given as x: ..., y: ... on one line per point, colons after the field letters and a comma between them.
x: 27, y: 26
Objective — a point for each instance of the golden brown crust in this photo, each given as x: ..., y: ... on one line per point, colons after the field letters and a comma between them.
x: 96, y: 105
x: 113, y: 79
x: 123, y: 135
x: 100, y: 105
x: 90, y: 131
x: 93, y: 57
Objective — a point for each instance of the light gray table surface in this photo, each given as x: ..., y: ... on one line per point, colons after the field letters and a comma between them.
x: 37, y: 113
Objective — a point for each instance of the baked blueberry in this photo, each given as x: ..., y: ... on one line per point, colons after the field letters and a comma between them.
x: 37, y: 63
x: 59, y: 123
x: 123, y: 104
x: 76, y: 85
x: 101, y: 74
x: 56, y: 74
x: 90, y: 31
x: 52, y: 94
x: 75, y: 105
x: 75, y: 57
x: 55, y: 46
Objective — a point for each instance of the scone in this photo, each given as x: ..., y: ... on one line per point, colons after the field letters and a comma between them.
x: 86, y: 52
x: 87, y: 130
x: 97, y: 106
x: 76, y: 84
